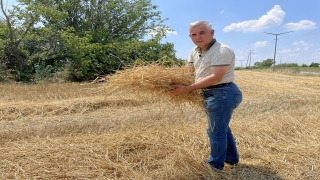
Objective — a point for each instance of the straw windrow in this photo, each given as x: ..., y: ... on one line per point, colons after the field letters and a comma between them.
x: 155, y: 80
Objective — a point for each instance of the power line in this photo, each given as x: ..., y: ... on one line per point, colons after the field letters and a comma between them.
x: 306, y: 34
x: 275, y: 46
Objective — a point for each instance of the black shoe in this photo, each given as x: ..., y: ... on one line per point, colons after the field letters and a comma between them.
x: 230, y: 162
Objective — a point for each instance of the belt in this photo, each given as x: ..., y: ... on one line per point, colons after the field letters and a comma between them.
x: 215, y: 86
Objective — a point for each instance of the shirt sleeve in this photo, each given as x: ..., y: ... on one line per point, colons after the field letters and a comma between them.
x: 191, y: 57
x: 223, y: 57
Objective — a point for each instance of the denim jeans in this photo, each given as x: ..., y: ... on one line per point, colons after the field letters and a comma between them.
x: 219, y: 104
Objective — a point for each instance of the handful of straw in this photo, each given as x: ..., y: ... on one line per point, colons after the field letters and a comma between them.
x: 155, y: 79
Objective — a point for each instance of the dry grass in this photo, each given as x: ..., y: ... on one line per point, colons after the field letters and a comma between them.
x: 99, y: 131
x: 154, y: 80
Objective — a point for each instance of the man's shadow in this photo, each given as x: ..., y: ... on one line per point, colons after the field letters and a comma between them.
x: 237, y: 172
x: 244, y: 171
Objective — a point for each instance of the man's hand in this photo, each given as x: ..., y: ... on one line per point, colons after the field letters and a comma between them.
x: 180, y: 89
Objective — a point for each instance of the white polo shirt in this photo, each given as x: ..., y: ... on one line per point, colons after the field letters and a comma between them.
x: 217, y: 55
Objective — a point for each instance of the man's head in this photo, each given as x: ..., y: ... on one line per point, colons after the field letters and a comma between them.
x: 201, y: 33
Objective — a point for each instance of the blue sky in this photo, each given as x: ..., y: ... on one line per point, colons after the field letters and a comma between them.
x: 242, y: 25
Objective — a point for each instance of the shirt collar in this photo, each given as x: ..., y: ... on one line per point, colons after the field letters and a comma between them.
x: 198, y: 49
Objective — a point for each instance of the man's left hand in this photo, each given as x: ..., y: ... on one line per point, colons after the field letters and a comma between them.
x: 180, y: 89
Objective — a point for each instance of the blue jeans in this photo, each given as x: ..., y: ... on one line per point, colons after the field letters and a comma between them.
x: 219, y: 104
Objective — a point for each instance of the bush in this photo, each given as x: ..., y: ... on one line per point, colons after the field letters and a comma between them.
x: 23, y: 76
x: 43, y: 73
x: 314, y: 64
x: 288, y: 65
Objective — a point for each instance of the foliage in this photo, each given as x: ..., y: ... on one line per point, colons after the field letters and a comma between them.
x: 264, y: 64
x: 18, y: 23
x: 287, y: 65
x: 315, y: 64
x: 3, y: 33
x: 81, y: 38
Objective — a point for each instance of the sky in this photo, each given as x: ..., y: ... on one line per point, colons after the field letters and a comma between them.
x: 247, y: 26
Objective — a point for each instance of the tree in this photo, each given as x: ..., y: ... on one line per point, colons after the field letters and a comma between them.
x: 13, y: 55
x: 86, y: 37
x: 105, y: 21
x: 264, y: 64
x: 267, y: 63
x: 257, y: 64
x: 313, y: 64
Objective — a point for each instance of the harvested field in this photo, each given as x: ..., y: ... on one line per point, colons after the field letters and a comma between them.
x: 108, y: 131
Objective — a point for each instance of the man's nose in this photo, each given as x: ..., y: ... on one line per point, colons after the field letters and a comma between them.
x: 198, y: 36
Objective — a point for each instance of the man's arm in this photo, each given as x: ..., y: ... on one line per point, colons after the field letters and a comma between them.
x: 190, y: 67
x: 217, y: 73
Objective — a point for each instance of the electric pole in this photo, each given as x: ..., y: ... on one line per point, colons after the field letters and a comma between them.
x: 241, y: 62
x: 249, y: 57
x: 281, y: 58
x: 247, y: 62
x: 275, y: 46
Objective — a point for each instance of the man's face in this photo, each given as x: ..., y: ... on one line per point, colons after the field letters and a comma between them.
x: 201, y: 36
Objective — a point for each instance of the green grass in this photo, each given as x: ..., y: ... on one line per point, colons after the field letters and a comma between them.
x: 307, y: 69
x: 289, y: 70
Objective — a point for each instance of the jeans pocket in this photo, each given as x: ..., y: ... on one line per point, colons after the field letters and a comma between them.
x: 237, y: 99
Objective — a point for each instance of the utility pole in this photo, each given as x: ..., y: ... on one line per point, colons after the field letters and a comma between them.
x: 249, y: 57
x: 281, y: 58
x: 247, y: 62
x: 280, y: 61
x: 241, y: 62
x: 275, y: 46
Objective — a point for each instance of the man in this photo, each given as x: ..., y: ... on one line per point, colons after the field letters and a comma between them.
x: 213, y: 63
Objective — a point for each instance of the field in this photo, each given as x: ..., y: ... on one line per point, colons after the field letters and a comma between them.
x: 85, y: 131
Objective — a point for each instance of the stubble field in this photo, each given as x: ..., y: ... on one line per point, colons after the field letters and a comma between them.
x: 86, y: 131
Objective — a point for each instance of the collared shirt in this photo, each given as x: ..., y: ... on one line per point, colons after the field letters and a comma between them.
x: 218, y: 54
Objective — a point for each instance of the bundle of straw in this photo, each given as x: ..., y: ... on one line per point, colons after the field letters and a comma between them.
x: 155, y: 79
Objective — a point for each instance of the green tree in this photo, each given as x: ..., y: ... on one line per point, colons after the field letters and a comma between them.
x: 17, y: 27
x: 264, y: 64
x: 313, y: 64
x: 104, y: 20
x: 257, y: 64
x: 86, y: 37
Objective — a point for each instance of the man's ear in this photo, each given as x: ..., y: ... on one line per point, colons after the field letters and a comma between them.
x: 212, y: 32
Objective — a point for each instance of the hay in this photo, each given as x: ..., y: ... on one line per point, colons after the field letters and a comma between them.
x: 68, y: 132
x: 155, y: 80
